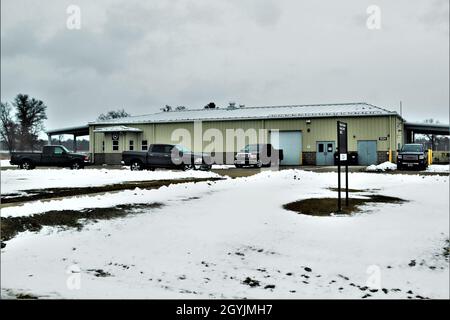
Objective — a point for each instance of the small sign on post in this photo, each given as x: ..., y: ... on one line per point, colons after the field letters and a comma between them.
x: 343, y: 152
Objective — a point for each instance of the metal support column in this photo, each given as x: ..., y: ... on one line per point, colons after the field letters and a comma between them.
x: 74, y: 143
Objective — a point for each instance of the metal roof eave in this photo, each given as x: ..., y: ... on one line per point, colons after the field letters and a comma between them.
x: 331, y: 115
x: 117, y: 128
x: 76, y: 130
x: 428, y: 128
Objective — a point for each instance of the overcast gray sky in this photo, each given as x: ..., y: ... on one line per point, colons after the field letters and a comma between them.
x: 141, y: 55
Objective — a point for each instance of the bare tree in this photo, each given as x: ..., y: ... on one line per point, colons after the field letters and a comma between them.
x: 8, y: 129
x: 30, y: 114
x: 431, y: 121
x: 113, y: 114
x: 166, y: 108
x: 210, y: 105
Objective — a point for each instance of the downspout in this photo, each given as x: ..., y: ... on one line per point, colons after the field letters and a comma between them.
x: 153, y: 133
x: 263, y: 126
x: 93, y: 145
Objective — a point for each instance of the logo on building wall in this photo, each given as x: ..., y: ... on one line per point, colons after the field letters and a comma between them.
x: 115, y: 136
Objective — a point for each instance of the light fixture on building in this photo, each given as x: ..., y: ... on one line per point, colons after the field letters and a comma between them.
x: 308, y: 121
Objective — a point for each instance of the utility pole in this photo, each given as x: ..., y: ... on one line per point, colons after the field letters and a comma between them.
x: 401, y: 109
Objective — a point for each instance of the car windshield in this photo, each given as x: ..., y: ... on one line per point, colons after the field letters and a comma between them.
x: 250, y: 148
x: 182, y: 148
x: 412, y: 148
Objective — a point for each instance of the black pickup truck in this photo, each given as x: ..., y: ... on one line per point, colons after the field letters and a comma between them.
x: 412, y: 155
x: 167, y: 156
x: 258, y: 155
x: 57, y: 156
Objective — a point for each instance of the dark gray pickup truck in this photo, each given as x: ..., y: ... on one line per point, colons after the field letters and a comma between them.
x: 57, y: 156
x: 166, y: 156
x: 412, y: 155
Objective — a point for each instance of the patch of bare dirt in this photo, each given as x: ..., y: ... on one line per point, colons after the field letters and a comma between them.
x: 49, y: 193
x: 11, y: 226
x: 328, y: 206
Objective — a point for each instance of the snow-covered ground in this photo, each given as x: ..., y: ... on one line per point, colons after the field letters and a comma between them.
x: 389, y: 166
x: 438, y: 168
x: 209, y: 237
x: 20, y: 180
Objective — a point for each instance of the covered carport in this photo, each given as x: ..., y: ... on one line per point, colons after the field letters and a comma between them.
x: 78, y: 131
x: 431, y: 129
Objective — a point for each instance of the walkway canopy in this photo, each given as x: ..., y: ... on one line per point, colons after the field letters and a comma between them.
x: 75, y: 131
x: 412, y: 129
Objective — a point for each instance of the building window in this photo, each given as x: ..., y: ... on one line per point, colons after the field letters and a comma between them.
x: 144, y: 145
x: 115, y: 145
x: 329, y: 147
x: 103, y: 146
x: 131, y: 145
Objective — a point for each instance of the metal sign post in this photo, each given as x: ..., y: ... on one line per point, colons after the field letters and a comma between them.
x: 342, y: 156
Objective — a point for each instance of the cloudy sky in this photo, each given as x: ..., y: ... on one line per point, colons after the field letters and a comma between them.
x: 142, y: 55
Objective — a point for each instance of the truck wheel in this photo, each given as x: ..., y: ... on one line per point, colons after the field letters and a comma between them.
x: 259, y: 164
x: 136, y: 166
x: 185, y: 167
x: 27, y: 165
x: 76, y: 165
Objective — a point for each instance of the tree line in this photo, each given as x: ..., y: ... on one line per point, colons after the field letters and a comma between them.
x: 22, y: 120
x: 20, y: 129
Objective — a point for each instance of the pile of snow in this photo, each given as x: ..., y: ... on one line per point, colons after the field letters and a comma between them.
x: 388, y: 166
x: 6, y: 164
x: 223, y: 166
x: 385, y: 166
x: 19, y: 180
x: 443, y: 168
x: 209, y: 237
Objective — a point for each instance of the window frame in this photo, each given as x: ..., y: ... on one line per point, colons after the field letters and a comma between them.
x: 131, y: 145
x: 144, y: 145
x: 115, y: 145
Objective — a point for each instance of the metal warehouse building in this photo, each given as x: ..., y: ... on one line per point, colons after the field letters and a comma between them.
x: 306, y: 133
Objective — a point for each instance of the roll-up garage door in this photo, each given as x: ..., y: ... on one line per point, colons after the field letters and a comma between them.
x: 291, y: 144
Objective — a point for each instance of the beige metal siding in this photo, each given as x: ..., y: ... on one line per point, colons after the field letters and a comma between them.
x: 321, y: 129
x: 324, y: 129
